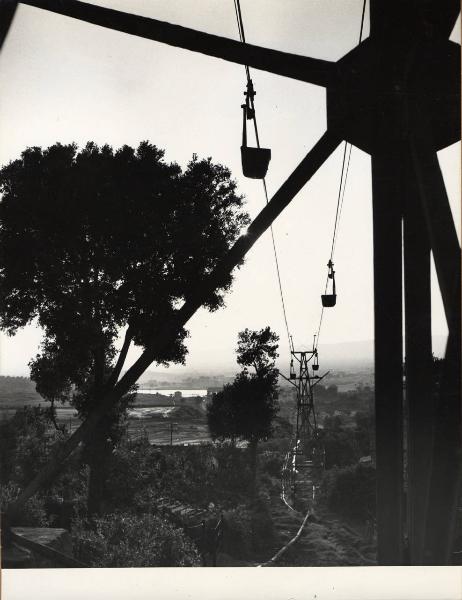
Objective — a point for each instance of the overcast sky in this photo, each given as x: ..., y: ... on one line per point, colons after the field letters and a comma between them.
x: 68, y: 81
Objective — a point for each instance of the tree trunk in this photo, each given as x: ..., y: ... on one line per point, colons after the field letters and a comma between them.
x: 253, y: 447
x: 97, y: 448
x: 98, y: 451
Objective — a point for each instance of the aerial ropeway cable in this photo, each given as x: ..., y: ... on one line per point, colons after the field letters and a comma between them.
x: 255, y: 160
x: 255, y: 163
x: 330, y: 300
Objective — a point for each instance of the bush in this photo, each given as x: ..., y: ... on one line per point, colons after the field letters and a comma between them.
x: 32, y: 513
x: 271, y: 463
x: 248, y: 530
x: 262, y: 525
x: 131, y: 467
x: 237, y: 536
x: 233, y: 476
x: 24, y: 444
x: 350, y: 491
x: 120, y: 540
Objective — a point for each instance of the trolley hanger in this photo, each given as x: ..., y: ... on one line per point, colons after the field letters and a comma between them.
x: 315, y: 365
x: 292, y: 374
x: 329, y: 300
x: 255, y: 161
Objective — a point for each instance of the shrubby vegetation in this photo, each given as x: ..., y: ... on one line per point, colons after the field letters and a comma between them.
x: 23, y: 444
x: 350, y: 491
x: 346, y: 445
x: 32, y: 515
x: 128, y: 540
x: 139, y: 474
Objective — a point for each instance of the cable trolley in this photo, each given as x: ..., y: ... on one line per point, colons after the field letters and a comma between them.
x: 329, y: 300
x: 255, y: 161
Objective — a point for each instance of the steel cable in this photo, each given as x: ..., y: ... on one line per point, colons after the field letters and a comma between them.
x: 240, y: 24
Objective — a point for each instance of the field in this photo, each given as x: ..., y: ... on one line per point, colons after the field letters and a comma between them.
x: 153, y: 415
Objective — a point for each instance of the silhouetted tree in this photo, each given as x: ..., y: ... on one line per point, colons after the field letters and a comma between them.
x: 245, y: 409
x: 95, y: 241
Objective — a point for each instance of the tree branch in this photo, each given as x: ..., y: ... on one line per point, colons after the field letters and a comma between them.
x: 7, y: 11
x: 52, y: 413
x: 121, y: 359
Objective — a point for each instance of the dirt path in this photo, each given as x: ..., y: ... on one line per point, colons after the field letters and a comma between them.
x: 325, y: 541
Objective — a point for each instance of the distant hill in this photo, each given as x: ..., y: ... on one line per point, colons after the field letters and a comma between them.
x: 16, y: 392
x: 16, y: 384
x: 343, y: 356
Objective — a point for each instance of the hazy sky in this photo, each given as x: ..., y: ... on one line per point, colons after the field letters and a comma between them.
x: 64, y: 80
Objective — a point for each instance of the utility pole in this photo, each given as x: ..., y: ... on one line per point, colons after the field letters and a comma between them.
x: 172, y: 425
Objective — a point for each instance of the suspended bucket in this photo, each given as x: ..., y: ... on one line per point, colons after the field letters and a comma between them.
x: 255, y: 162
x: 328, y: 300
x: 292, y: 374
x: 315, y: 367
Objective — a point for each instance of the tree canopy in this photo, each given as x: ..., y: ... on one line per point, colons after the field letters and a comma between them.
x: 257, y: 349
x: 245, y: 409
x: 95, y: 240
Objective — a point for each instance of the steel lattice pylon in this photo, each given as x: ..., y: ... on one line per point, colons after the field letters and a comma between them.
x: 306, y: 456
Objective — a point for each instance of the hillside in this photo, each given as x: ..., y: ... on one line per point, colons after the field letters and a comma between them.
x: 16, y: 392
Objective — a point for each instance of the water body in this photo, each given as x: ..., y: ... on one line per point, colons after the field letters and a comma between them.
x: 63, y: 414
x: 150, y: 411
x: 184, y: 393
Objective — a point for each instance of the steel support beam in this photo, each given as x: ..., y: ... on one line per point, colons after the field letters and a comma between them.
x: 426, y: 18
x: 446, y: 461
x: 447, y: 443
x: 310, y: 70
x: 168, y: 330
x: 440, y: 225
x: 387, y: 211
x: 7, y: 11
x: 419, y: 367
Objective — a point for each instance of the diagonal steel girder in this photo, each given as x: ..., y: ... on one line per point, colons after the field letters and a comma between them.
x: 7, y: 12
x: 310, y: 70
x: 169, y: 330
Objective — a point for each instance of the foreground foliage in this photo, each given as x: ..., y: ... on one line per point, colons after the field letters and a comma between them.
x: 350, y: 491
x: 127, y: 540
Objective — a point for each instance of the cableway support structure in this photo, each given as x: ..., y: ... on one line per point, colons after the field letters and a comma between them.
x: 304, y: 462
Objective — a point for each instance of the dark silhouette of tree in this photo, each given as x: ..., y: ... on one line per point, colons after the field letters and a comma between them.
x: 245, y: 409
x: 97, y: 241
